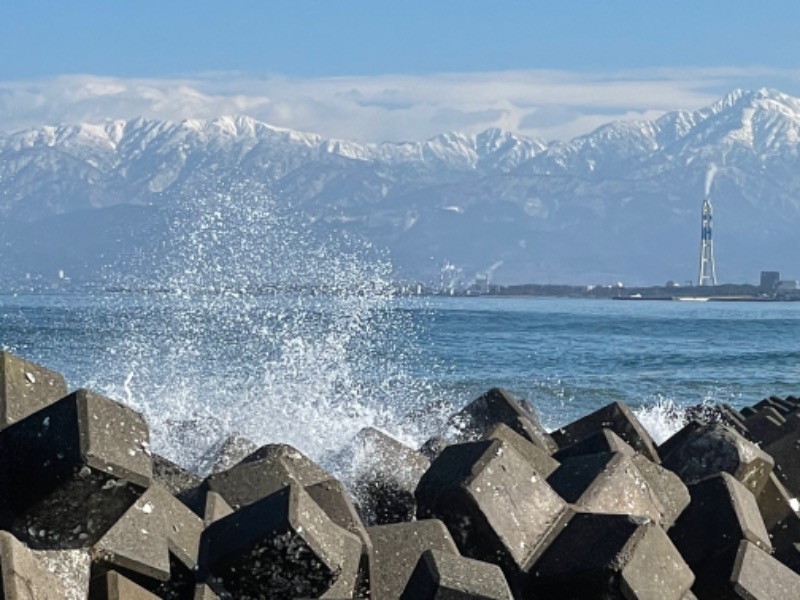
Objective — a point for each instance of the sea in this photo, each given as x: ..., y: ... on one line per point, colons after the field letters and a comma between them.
x: 249, y: 318
x: 311, y: 368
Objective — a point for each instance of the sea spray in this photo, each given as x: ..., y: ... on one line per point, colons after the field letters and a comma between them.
x: 662, y: 418
x: 246, y: 317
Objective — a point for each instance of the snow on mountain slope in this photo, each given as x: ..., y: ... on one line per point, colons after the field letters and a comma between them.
x: 549, y: 211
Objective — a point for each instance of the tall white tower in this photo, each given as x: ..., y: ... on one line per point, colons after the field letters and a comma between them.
x: 708, y: 274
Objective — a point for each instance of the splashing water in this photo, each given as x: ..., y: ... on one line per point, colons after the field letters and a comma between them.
x: 250, y: 319
x: 662, y: 419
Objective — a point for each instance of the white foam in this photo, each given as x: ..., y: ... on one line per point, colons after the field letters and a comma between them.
x: 661, y: 419
x: 221, y: 353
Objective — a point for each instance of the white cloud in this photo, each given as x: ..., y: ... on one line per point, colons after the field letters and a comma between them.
x: 548, y: 104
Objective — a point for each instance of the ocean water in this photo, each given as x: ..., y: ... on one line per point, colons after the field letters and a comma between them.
x: 312, y: 368
x: 249, y: 318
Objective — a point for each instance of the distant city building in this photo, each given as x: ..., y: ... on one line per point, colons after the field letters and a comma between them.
x: 770, y: 280
x: 788, y: 284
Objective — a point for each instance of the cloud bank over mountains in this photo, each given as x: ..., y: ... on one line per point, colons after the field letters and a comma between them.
x: 547, y: 104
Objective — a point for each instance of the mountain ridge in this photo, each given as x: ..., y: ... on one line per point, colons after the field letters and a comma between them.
x: 473, y: 200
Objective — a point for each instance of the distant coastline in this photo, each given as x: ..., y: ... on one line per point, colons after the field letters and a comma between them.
x: 718, y: 293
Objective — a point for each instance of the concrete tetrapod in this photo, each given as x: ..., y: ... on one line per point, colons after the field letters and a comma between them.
x: 282, y: 546
x: 618, y: 418
x: 333, y: 498
x: 114, y: 586
x: 782, y: 522
x: 42, y: 575
x: 476, y: 419
x: 385, y: 473
x: 158, y: 538
x: 494, y: 503
x: 263, y: 472
x: 618, y: 483
x: 446, y: 576
x: 536, y: 457
x: 784, y: 450
x: 600, y: 442
x: 766, y: 425
x: 758, y: 576
x: 397, y: 549
x: 26, y: 387
x: 609, y: 556
x: 710, y: 449
x: 72, y: 469
x: 180, y: 482
x: 721, y: 514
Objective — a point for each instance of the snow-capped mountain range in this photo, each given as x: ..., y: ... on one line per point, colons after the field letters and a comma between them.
x: 621, y: 203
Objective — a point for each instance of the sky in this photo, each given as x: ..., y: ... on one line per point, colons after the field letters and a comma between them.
x: 381, y: 71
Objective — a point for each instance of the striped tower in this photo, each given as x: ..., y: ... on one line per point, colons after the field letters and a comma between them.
x: 708, y: 274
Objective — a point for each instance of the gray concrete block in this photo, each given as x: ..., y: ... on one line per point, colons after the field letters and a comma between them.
x: 352, y: 581
x: 205, y: 592
x: 782, y: 521
x: 397, y: 549
x: 715, y: 448
x: 72, y: 469
x: 114, y: 586
x: 785, y: 538
x: 678, y: 438
x: 617, y: 483
x: 180, y: 482
x: 232, y: 450
x: 384, y: 474
x: 433, y: 447
x: 671, y: 491
x: 719, y: 413
x: 263, y: 472
x: 494, y: 503
x: 446, y: 576
x: 758, y: 576
x: 618, y: 418
x: 536, y: 457
x: 282, y: 546
x: 602, y: 442
x: 765, y: 426
x: 774, y: 502
x: 156, y: 526
x: 610, y: 556
x: 215, y: 509
x: 114, y: 438
x: 43, y: 575
x: 332, y: 496
x: 722, y: 512
x: 26, y: 387
x: 786, y: 452
x: 783, y: 405
x: 476, y: 419
x: 172, y: 476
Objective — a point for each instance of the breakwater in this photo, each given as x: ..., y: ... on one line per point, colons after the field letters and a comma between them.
x: 498, y: 508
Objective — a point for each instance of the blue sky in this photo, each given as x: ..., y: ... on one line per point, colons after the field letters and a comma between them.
x: 380, y: 70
